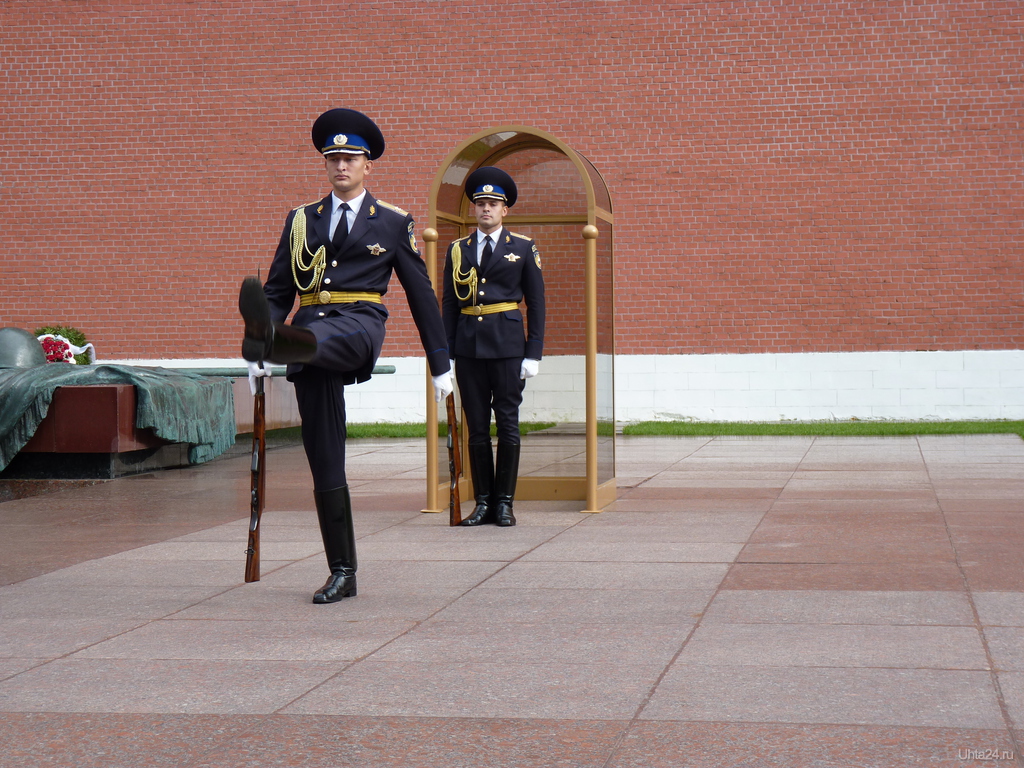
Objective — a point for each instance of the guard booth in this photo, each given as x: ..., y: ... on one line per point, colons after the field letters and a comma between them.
x: 565, y: 207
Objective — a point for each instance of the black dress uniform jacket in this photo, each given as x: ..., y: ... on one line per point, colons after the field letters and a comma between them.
x: 380, y: 241
x: 511, y: 273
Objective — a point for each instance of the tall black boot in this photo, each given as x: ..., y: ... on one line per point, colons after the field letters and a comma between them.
x: 265, y: 339
x: 506, y: 474
x: 481, y: 465
x: 334, y: 510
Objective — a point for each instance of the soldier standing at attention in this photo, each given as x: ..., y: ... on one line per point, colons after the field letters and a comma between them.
x: 486, y: 275
x: 338, y: 254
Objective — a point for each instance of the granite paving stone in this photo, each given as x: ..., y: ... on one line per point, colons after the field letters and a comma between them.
x: 754, y: 745
x: 391, y: 577
x: 512, y: 638
x: 634, y: 552
x: 13, y: 665
x: 581, y: 607
x: 851, y: 696
x: 1011, y: 686
x: 745, y: 601
x: 1000, y: 609
x: 836, y: 645
x: 456, y: 689
x: 681, y: 527
x: 266, y: 640
x: 188, y: 686
x: 632, y: 502
x: 118, y: 740
x: 630, y: 576
x: 47, y: 638
x: 840, y: 607
x: 293, y: 603
x: 1006, y: 645
x: 776, y: 542
x: 828, y: 574
x: 86, y: 602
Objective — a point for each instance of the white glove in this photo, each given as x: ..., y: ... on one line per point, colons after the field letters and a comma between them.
x: 443, y: 386
x: 529, y: 368
x: 255, y: 372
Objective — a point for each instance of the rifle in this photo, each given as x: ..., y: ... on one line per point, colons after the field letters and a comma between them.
x: 454, y: 463
x: 258, y: 480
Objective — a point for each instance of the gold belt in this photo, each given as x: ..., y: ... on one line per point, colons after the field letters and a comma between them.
x: 337, y: 297
x: 490, y: 309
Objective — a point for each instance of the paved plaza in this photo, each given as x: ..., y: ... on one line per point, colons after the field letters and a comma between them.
x: 789, y: 602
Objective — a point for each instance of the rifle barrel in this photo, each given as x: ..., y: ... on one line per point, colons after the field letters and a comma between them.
x: 258, y: 478
x: 454, y: 463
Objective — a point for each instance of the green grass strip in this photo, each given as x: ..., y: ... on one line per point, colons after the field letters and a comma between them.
x: 824, y: 428
x: 709, y: 429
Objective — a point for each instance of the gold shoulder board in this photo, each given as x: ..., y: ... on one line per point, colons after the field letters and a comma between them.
x: 521, y: 237
x: 394, y: 208
x: 305, y: 205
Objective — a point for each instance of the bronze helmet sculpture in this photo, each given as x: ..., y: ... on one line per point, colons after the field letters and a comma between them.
x: 20, y: 349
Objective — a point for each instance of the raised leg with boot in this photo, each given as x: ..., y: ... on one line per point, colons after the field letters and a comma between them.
x: 265, y: 339
x: 505, y: 476
x: 334, y: 511
x: 481, y: 465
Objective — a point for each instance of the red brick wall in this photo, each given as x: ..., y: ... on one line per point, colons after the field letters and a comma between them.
x: 785, y: 176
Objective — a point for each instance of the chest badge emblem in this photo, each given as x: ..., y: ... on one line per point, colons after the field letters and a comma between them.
x: 512, y: 257
x: 375, y: 249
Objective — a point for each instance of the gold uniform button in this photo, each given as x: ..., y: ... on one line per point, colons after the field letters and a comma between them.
x: 481, y: 293
x: 334, y: 263
x: 327, y: 281
x: 480, y: 319
x: 322, y: 314
x: 483, y: 279
x: 325, y: 297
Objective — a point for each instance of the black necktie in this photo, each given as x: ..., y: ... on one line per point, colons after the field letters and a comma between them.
x: 341, y: 231
x: 488, y: 252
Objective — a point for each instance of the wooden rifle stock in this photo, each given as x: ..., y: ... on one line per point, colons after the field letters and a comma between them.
x: 258, y: 480
x: 454, y: 463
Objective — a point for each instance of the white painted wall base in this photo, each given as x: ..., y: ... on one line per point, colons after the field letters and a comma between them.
x: 913, y: 386
x: 966, y: 385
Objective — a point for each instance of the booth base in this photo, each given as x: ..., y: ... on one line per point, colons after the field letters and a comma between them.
x: 540, y: 488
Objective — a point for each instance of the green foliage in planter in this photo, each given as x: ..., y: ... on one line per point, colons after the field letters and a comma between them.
x: 73, y: 335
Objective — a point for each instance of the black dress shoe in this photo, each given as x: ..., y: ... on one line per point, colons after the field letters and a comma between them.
x: 504, y: 516
x: 338, y: 587
x: 481, y: 516
x: 506, y: 473
x: 481, y: 466
x: 259, y: 328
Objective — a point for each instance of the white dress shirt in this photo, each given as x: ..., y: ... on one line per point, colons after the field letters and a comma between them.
x: 354, y: 206
x: 480, y: 243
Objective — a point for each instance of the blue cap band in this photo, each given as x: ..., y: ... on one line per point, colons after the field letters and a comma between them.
x: 489, y: 191
x: 347, y: 143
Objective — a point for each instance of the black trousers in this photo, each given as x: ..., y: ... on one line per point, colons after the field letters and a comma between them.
x: 490, y: 384
x: 342, y: 346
